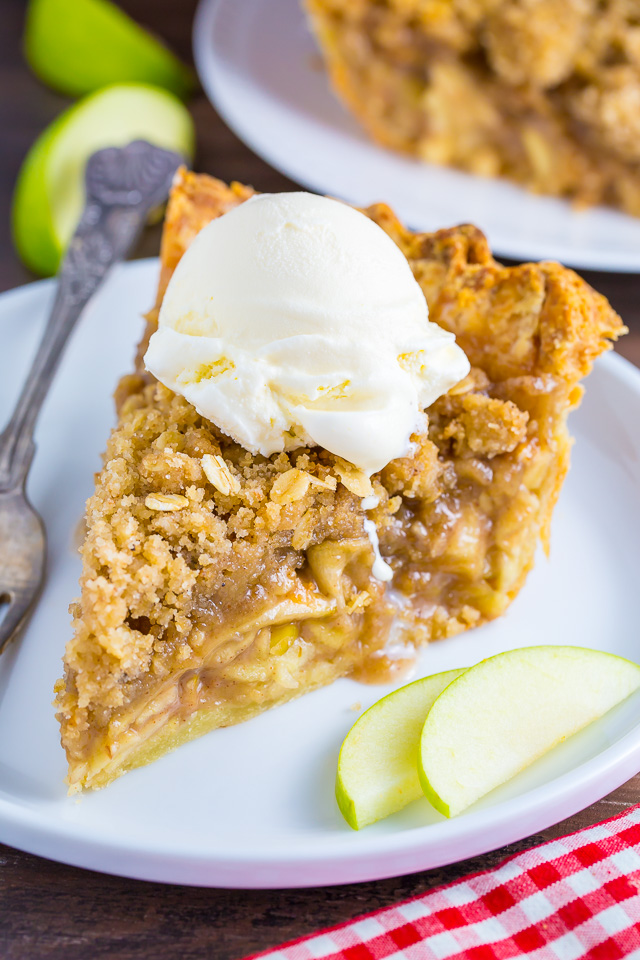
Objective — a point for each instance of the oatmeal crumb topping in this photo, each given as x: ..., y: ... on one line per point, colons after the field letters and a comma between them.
x: 354, y: 479
x: 290, y: 486
x: 166, y: 501
x: 217, y: 472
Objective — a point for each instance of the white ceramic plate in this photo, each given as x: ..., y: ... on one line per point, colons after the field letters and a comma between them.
x: 259, y: 65
x: 253, y: 805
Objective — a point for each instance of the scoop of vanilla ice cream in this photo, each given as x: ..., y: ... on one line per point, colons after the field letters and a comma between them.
x: 295, y: 320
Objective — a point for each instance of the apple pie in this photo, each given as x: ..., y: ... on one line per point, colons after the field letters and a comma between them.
x: 217, y: 583
x: 544, y: 92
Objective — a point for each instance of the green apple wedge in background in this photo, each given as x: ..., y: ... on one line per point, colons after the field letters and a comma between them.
x: 78, y: 46
x: 501, y: 715
x: 377, y: 767
x: 49, y: 194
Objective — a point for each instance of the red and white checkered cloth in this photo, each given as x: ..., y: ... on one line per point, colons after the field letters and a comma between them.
x: 568, y: 899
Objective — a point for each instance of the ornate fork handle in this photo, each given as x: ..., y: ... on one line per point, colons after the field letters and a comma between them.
x: 122, y: 186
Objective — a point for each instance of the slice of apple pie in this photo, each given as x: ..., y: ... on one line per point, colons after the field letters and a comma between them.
x: 218, y: 583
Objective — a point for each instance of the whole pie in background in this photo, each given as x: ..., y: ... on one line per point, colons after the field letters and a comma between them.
x: 217, y: 583
x: 544, y: 92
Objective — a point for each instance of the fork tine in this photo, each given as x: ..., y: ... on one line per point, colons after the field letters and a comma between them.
x: 15, y: 618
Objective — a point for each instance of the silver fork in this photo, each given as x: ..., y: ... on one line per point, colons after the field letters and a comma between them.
x: 123, y: 185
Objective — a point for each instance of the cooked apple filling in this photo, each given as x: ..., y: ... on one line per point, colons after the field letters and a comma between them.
x: 217, y: 583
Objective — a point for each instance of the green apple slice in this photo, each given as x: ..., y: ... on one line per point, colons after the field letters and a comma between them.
x: 504, y: 713
x: 78, y: 46
x: 377, y: 766
x: 49, y: 194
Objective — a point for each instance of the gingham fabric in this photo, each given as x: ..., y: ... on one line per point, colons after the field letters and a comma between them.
x: 567, y: 899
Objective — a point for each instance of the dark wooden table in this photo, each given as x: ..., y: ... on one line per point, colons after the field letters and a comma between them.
x: 52, y: 911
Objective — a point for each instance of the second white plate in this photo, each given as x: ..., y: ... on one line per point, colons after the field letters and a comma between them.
x: 259, y: 65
